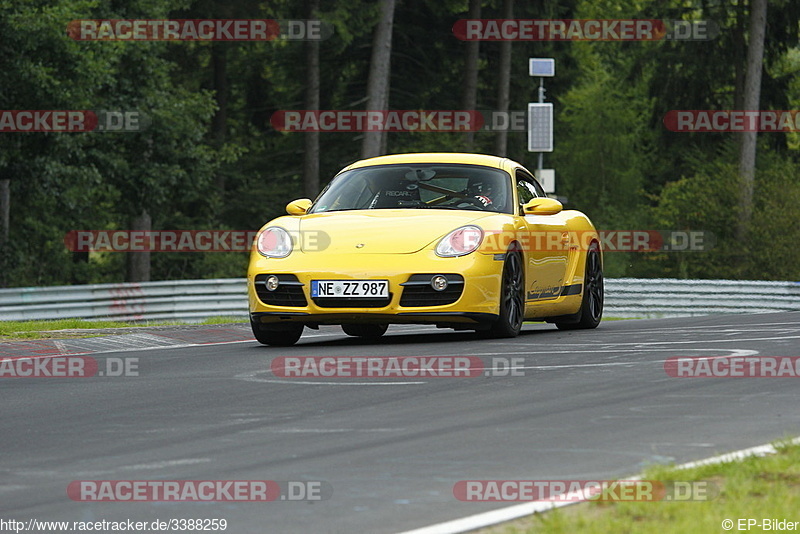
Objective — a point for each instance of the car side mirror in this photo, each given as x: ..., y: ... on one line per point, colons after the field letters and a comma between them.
x: 542, y: 206
x: 298, y: 207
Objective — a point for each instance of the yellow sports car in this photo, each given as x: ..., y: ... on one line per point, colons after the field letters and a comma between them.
x: 462, y: 241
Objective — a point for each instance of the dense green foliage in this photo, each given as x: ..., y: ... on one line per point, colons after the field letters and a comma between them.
x: 211, y: 160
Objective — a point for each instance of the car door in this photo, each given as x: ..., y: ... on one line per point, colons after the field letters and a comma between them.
x: 546, y: 243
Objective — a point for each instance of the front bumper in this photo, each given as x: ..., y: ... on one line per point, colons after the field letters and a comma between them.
x: 477, y: 303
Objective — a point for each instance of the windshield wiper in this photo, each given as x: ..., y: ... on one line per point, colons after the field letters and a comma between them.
x: 341, y: 209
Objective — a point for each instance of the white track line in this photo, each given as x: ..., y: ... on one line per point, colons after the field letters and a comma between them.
x: 64, y: 350
x: 510, y: 513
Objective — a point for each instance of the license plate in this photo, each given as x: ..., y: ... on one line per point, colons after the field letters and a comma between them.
x: 350, y: 288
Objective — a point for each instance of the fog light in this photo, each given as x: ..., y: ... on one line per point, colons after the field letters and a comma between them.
x: 439, y: 282
x: 271, y: 282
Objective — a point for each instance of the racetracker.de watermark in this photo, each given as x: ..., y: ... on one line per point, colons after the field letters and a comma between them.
x: 68, y: 367
x: 342, y: 120
x: 394, y: 367
x: 181, y: 240
x: 584, y: 30
x: 610, y: 240
x: 199, y: 30
x: 72, y: 121
x: 733, y: 366
x: 583, y: 490
x: 445, y: 121
x: 732, y: 121
x: 198, y: 490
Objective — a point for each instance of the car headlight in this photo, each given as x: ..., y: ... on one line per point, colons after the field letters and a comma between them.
x: 460, y: 242
x: 274, y: 242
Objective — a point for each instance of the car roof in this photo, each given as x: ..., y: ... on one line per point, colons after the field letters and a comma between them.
x: 436, y: 157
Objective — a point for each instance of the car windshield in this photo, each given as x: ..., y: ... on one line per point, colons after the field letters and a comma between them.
x: 415, y: 186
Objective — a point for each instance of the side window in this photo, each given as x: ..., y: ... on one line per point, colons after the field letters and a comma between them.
x: 526, y: 191
x: 523, y: 192
x: 539, y: 189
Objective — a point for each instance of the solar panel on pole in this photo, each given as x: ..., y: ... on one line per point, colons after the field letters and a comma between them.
x: 540, y: 127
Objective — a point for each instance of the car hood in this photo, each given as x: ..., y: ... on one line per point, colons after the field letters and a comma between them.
x: 401, y: 231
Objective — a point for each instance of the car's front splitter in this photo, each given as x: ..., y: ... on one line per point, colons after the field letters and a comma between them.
x: 440, y: 318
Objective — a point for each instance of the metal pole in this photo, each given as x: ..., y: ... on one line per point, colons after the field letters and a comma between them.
x: 541, y: 101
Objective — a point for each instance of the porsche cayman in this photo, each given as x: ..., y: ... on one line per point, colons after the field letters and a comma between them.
x: 461, y: 241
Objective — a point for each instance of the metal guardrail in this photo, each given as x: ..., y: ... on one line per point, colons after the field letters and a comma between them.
x: 669, y: 297
x: 195, y: 300
x: 181, y: 300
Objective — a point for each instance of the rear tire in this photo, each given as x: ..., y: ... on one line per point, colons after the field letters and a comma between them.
x: 512, y: 298
x: 591, y: 311
x: 284, y: 335
x: 368, y: 331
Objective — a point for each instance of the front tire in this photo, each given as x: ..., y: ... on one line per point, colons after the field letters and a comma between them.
x: 368, y: 331
x: 512, y: 298
x: 284, y: 335
x: 591, y: 311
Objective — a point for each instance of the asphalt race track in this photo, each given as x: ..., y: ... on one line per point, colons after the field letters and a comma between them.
x: 590, y: 405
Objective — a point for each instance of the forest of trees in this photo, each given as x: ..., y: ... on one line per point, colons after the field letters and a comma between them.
x: 210, y: 159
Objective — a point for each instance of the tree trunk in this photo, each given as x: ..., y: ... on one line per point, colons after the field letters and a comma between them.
x: 139, y: 262
x: 752, y: 95
x: 219, y: 123
x: 311, y: 153
x: 740, y: 48
x: 469, y: 97
x: 378, y: 83
x: 504, y: 82
x: 5, y: 209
